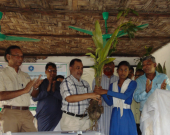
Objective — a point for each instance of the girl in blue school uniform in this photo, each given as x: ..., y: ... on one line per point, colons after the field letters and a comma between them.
x: 120, y: 95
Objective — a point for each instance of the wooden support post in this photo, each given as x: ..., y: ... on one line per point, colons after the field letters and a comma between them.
x: 75, y: 3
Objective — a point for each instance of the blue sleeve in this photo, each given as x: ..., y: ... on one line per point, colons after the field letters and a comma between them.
x: 56, y: 93
x: 140, y: 93
x: 42, y: 92
x: 131, y: 88
x: 108, y: 99
x: 167, y: 83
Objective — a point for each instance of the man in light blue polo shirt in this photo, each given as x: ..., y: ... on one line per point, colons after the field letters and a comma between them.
x: 150, y: 81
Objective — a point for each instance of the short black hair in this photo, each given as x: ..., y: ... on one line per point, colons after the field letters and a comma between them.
x: 73, y: 60
x: 8, y: 50
x: 125, y: 63
x: 131, y: 68
x: 110, y: 63
x: 50, y: 64
x: 140, y: 70
x: 59, y: 76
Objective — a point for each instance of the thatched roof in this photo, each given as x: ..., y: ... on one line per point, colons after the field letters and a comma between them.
x: 48, y: 20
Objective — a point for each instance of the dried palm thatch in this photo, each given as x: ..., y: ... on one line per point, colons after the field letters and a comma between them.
x: 48, y: 20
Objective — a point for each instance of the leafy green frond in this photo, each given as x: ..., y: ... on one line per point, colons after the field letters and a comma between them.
x: 92, y: 67
x: 111, y: 51
x: 159, y: 68
x: 97, y: 34
x: 130, y: 28
x: 164, y: 68
x: 91, y: 55
x: 139, y: 65
x: 106, y: 49
x: 103, y: 50
x: 98, y: 59
x: 97, y: 44
x: 134, y: 12
x: 90, y: 48
x: 108, y: 60
x: 119, y: 14
x: 148, y: 50
x: 97, y: 50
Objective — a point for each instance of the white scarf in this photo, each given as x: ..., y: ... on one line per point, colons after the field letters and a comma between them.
x: 120, y: 102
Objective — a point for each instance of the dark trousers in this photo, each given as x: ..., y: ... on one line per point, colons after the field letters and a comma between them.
x: 138, y: 129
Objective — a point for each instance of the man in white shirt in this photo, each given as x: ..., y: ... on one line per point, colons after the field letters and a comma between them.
x: 76, y: 94
x: 15, y: 90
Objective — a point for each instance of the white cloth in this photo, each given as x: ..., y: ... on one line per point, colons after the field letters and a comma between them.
x: 120, y: 102
x: 10, y: 80
x: 155, y: 118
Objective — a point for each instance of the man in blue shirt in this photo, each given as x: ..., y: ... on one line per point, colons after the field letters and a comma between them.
x: 150, y: 81
x: 48, y: 112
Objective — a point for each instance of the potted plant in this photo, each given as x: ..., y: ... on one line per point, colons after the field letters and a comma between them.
x: 102, y: 51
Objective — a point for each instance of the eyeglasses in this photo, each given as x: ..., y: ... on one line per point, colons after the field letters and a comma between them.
x: 17, y: 56
x: 49, y: 70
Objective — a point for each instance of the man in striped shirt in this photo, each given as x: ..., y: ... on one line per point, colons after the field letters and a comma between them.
x: 76, y: 94
x: 107, y: 79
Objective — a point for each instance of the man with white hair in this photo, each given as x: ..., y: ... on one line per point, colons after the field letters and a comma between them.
x: 150, y: 81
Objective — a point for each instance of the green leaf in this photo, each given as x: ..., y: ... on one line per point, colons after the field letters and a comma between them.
x: 106, y: 49
x: 131, y: 29
x: 108, y: 60
x: 93, y: 67
x: 98, y: 59
x: 97, y: 46
x: 119, y: 14
x: 115, y: 43
x: 164, y: 68
x: 159, y: 68
x: 139, y: 65
x: 90, y: 48
x: 97, y: 50
x: 95, y: 42
x: 149, y: 49
x: 127, y: 11
x: 110, y: 52
x: 135, y: 12
x: 98, y: 35
x: 91, y: 55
